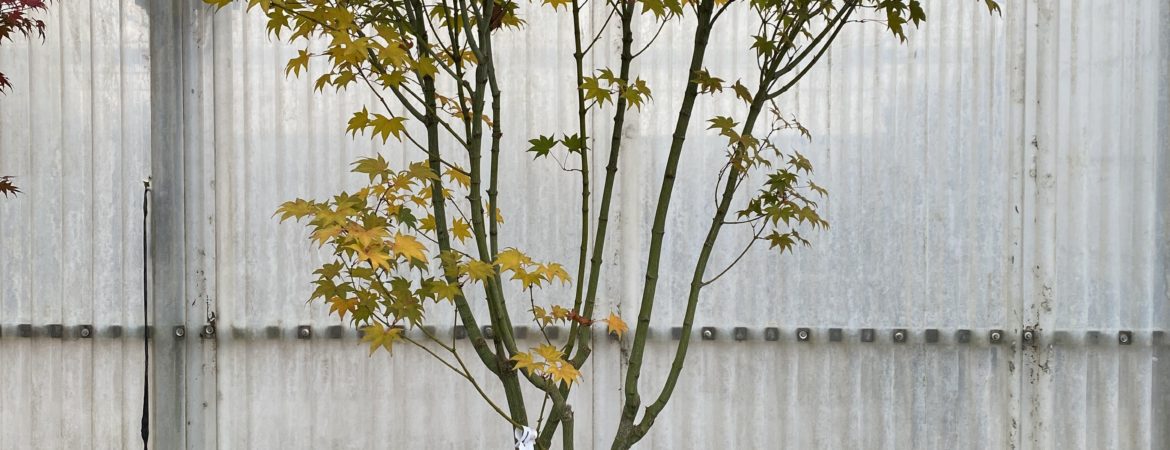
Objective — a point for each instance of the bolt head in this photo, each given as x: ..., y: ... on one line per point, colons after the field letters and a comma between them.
x: 899, y: 336
x: 208, y: 330
x: 996, y: 336
x: 708, y: 334
x: 802, y: 334
x: 85, y: 332
x: 303, y: 332
x: 179, y: 332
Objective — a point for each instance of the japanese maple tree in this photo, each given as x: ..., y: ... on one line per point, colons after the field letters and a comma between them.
x: 427, y: 235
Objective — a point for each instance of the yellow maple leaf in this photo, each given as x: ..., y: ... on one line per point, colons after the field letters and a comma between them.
x: 540, y: 315
x: 527, y: 279
x: 421, y: 171
x: 553, y: 271
x: 324, y: 234
x: 427, y: 223
x: 560, y: 312
x: 364, y: 236
x: 400, y: 183
x: 478, y: 270
x: 459, y: 176
x: 409, y: 247
x: 446, y: 291
x: 380, y: 337
x: 461, y: 230
x: 525, y: 362
x: 556, y: 4
x: 342, y: 306
x: 562, y: 372
x: 512, y: 259
x: 374, y: 253
x: 616, y: 325
x: 549, y: 352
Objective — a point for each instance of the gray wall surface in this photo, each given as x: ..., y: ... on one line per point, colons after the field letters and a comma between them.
x: 994, y: 173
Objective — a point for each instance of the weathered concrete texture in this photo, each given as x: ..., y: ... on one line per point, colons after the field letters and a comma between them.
x: 995, y: 172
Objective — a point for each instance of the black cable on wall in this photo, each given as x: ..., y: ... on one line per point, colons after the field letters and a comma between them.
x: 145, y: 316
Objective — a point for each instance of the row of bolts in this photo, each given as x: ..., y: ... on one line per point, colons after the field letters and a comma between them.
x: 1029, y: 336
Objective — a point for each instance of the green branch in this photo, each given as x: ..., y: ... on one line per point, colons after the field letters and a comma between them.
x: 632, y: 402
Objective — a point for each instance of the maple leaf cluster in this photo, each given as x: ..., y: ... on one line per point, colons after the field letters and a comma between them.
x: 554, y: 367
x: 7, y: 188
x: 14, y: 20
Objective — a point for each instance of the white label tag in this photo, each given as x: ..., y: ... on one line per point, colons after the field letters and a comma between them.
x: 525, y: 438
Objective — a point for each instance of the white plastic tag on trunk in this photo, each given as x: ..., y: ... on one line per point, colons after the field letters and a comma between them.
x: 525, y: 438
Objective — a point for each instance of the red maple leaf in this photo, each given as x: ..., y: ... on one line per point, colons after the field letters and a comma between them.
x: 6, y: 187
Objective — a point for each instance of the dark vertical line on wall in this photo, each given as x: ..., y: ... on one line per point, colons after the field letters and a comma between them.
x: 1160, y: 294
x: 1025, y: 144
x: 145, y: 316
x: 92, y: 217
x: 167, y: 261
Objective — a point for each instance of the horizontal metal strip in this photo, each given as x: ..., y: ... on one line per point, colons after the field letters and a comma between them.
x: 962, y: 336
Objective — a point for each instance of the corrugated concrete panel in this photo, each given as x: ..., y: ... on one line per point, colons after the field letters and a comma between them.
x: 74, y: 130
x: 992, y: 173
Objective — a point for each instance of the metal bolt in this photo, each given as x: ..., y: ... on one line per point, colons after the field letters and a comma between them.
x: 180, y: 331
x: 708, y: 334
x: 208, y: 331
x: 1125, y: 337
x: 304, y: 332
x: 899, y: 336
x: 995, y: 336
x: 803, y: 334
x: 1029, y: 335
x: 86, y: 331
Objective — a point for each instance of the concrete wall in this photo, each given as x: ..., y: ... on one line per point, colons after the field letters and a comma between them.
x: 993, y: 173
